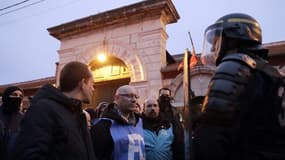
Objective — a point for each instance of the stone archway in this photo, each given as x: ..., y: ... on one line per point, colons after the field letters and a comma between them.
x: 135, y: 34
x: 120, y: 51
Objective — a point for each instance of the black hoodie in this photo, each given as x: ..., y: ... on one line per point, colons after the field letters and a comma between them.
x: 10, y: 119
x: 54, y: 127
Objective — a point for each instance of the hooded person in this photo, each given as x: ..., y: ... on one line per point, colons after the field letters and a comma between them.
x: 55, y: 127
x: 12, y: 99
x: 10, y: 117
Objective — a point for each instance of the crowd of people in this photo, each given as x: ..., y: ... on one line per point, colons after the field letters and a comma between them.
x: 240, y: 117
x: 57, y: 127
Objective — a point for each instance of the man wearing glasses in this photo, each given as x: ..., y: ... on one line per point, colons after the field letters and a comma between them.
x: 118, y: 135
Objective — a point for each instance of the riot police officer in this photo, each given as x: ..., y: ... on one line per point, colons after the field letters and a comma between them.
x: 239, y: 119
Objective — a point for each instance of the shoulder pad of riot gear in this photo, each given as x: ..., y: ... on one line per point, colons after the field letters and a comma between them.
x: 241, y: 57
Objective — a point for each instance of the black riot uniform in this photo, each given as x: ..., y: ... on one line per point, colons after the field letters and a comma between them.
x: 239, y: 119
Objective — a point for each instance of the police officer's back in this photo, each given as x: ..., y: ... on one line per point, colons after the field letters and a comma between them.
x: 239, y: 117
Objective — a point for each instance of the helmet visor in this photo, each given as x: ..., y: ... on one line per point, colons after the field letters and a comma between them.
x: 211, y: 46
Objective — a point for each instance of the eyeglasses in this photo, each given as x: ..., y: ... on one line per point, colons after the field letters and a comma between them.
x: 130, y: 96
x: 150, y: 105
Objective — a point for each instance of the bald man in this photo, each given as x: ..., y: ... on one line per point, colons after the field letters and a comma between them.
x: 118, y: 135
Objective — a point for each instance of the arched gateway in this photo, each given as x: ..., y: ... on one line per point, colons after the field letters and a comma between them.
x: 134, y: 35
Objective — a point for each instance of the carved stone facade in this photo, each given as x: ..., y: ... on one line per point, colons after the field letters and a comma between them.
x: 135, y: 34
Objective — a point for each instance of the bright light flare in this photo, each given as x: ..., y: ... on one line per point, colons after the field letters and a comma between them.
x: 102, y: 57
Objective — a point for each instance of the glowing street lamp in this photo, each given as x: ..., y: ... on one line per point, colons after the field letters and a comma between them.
x: 101, y: 57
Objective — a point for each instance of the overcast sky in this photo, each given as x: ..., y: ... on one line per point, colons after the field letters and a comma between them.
x: 28, y: 52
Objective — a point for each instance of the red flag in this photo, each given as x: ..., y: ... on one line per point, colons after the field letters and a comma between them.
x: 193, y: 60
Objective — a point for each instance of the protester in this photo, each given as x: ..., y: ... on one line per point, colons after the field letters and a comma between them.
x: 240, y: 114
x: 10, y: 117
x: 170, y: 113
x: 99, y: 110
x: 118, y: 135
x: 158, y: 133
x: 139, y: 109
x: 55, y: 127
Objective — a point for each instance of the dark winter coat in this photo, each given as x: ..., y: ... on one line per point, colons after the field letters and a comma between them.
x: 9, y: 128
x: 2, y: 144
x: 54, y: 128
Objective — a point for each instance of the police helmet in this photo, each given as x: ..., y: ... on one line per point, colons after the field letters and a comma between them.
x: 232, y: 31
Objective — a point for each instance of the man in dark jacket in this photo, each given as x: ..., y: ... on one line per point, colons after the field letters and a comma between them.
x: 10, y: 117
x: 119, y: 134
x: 55, y: 127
